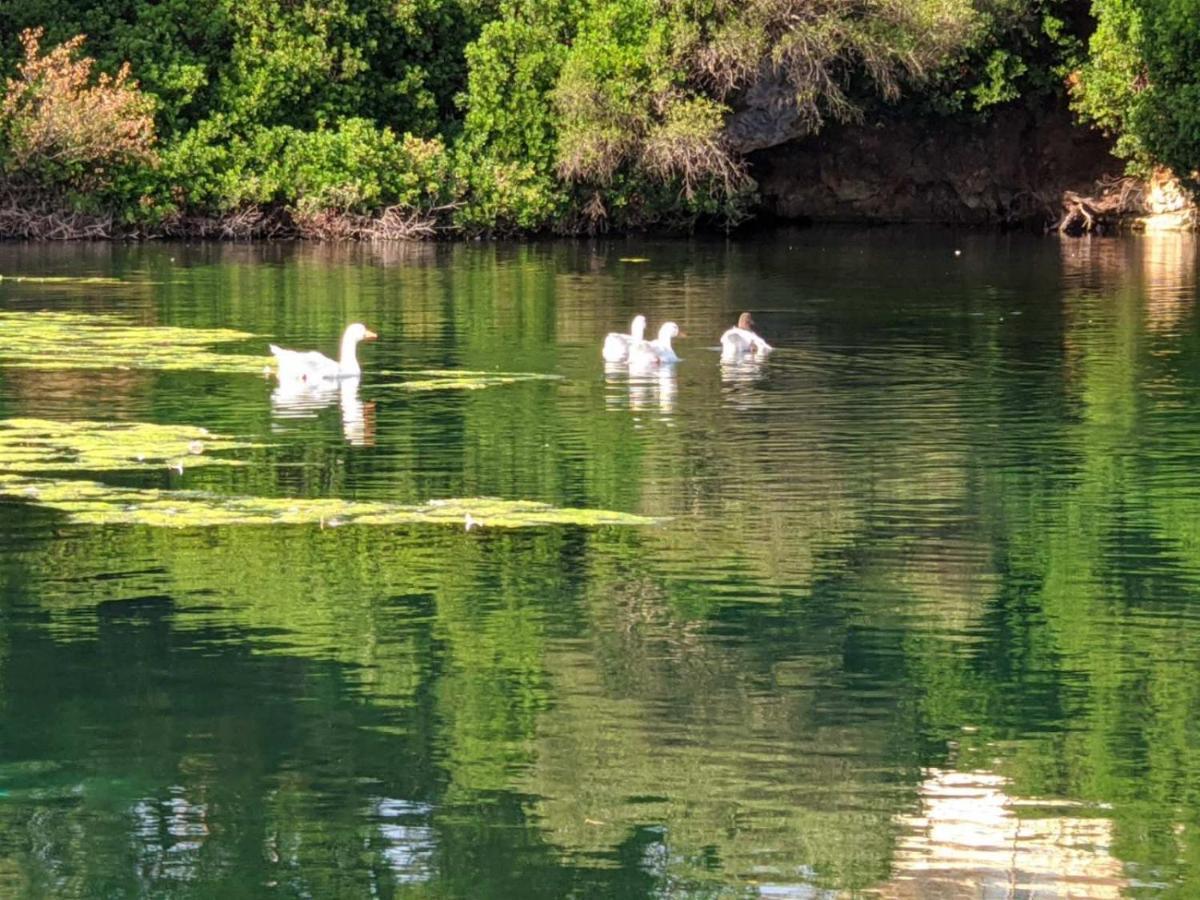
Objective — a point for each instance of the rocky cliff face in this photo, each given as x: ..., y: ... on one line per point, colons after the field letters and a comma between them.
x: 1013, y: 170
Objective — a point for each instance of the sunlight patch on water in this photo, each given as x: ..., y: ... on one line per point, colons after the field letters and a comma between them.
x: 971, y: 837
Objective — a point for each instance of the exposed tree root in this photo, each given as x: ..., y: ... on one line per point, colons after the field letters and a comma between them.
x: 1113, y: 201
x: 246, y: 224
x: 394, y: 224
x: 22, y: 219
x: 34, y: 222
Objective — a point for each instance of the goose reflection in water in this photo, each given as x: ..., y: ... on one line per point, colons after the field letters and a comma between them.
x: 646, y: 388
x: 739, y: 377
x: 743, y: 370
x: 300, y: 400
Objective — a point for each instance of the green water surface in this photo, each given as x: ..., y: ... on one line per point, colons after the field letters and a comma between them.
x: 917, y: 609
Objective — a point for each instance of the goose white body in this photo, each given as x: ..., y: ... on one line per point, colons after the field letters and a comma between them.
x: 313, y: 367
x: 741, y: 341
x: 648, y: 354
x: 616, y: 345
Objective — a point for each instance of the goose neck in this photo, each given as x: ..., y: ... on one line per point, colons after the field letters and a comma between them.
x: 348, y: 358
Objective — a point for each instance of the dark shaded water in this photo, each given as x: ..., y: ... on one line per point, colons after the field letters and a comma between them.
x: 924, y: 619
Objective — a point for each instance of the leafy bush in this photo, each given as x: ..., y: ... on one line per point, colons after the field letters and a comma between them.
x: 1016, y: 51
x: 302, y: 63
x: 355, y: 167
x: 505, y: 155
x: 1141, y: 83
x: 827, y: 53
x: 65, y: 132
x: 1107, y: 90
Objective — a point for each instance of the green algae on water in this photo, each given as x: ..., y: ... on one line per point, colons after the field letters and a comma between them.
x: 41, y: 445
x: 69, y: 340
x: 93, y: 503
x: 459, y: 379
x: 65, y: 279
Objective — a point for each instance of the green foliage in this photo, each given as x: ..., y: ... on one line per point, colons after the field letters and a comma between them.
x: 593, y: 113
x: 1156, y: 94
x: 1140, y: 83
x: 999, y: 83
x: 303, y: 105
x: 355, y: 167
x: 507, y: 151
x: 1108, y: 88
x: 1017, y: 50
x: 269, y: 62
x: 568, y: 115
x: 637, y: 140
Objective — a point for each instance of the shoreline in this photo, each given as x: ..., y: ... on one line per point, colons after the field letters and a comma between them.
x: 1112, y: 205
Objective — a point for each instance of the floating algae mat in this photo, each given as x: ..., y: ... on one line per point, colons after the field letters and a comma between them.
x: 92, y: 503
x: 459, y: 379
x: 39, y: 445
x: 66, y: 340
x: 64, y: 279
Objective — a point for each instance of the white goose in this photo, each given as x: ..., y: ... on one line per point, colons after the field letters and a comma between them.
x: 616, y: 345
x: 741, y: 339
x: 312, y: 366
x: 647, y: 354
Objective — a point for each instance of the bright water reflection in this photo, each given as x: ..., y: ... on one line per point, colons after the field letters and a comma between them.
x: 924, y: 620
x: 294, y: 399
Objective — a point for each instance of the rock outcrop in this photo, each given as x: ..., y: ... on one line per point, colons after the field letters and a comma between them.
x: 1013, y: 170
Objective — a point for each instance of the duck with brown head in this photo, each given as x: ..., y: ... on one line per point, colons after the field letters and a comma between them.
x: 741, y: 340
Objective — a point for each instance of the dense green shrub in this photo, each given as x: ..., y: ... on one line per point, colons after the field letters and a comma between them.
x: 1018, y: 50
x: 275, y: 62
x: 1108, y: 87
x: 353, y: 167
x: 1142, y: 85
x: 507, y: 149
x: 176, y: 47
x: 288, y: 104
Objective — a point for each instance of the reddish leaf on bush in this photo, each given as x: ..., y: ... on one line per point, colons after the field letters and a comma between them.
x: 63, y: 128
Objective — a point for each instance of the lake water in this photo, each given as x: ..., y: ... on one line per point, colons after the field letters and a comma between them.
x: 920, y: 617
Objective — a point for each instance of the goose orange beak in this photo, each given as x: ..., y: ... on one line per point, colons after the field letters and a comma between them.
x: 370, y: 335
